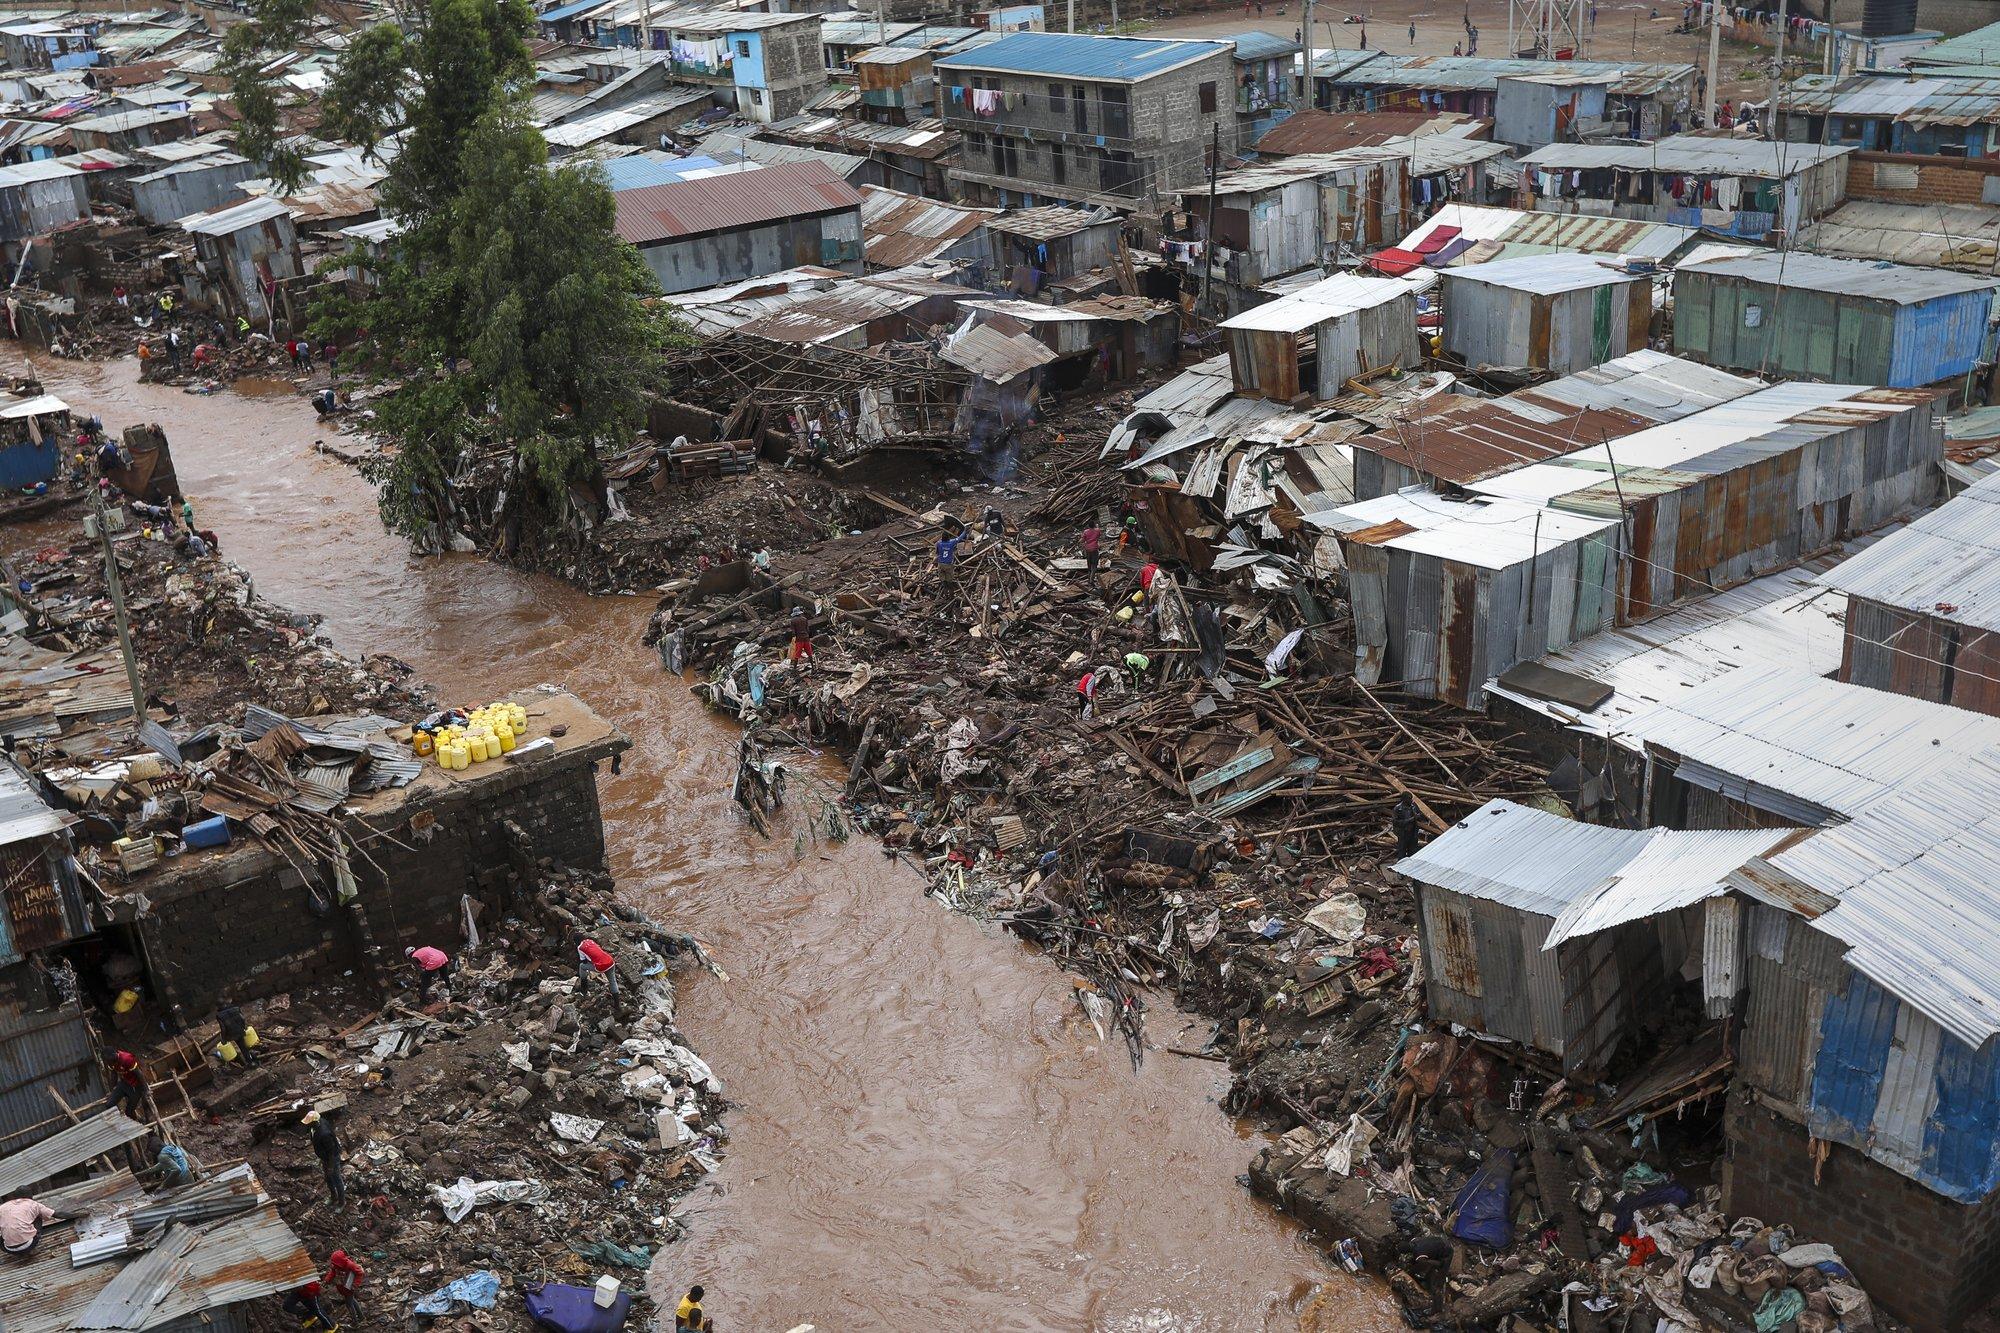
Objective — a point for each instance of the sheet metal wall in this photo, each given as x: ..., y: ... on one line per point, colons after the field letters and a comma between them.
x: 1376, y: 336
x: 1485, y: 968
x: 690, y: 264
x: 40, y: 1047
x: 1864, y: 1068
x: 36, y: 207
x: 1920, y: 656
x: 1563, y: 332
x: 1827, y: 335
x: 163, y: 198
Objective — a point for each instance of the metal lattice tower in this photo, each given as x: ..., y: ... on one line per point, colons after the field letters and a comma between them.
x: 1545, y: 26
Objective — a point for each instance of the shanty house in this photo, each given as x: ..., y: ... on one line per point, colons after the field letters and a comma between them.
x: 38, y: 197
x: 1868, y: 1099
x: 1744, y: 488
x: 896, y: 84
x: 1554, y: 105
x: 1923, y: 605
x: 1805, y: 316
x: 1644, y: 98
x: 1747, y: 187
x: 1035, y: 248
x: 166, y: 196
x: 47, y: 45
x: 1316, y: 339
x: 30, y: 441
x: 1266, y: 73
x: 1562, y: 936
x: 45, y: 1039
x: 900, y: 229
x: 129, y: 131
x: 1561, y: 313
x: 1448, y: 593
x: 1463, y: 440
x: 703, y: 233
x: 243, y: 253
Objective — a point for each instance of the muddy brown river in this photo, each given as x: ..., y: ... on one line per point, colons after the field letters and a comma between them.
x: 927, y: 1134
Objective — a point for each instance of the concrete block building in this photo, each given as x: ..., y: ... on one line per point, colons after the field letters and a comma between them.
x: 1062, y: 118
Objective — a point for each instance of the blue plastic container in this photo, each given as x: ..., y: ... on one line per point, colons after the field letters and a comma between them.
x: 208, y: 833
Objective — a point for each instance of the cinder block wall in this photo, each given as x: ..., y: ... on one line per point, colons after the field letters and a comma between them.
x: 1921, y: 1257
x: 242, y: 923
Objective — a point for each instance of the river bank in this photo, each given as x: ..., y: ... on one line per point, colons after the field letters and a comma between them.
x: 953, y: 1147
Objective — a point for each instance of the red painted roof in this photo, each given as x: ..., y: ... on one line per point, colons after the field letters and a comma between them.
x: 722, y: 203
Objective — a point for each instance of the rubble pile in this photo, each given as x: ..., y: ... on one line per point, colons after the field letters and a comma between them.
x: 521, y: 1126
x: 198, y: 622
x: 1493, y: 1198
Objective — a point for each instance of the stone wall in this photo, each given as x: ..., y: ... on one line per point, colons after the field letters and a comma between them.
x: 243, y: 922
x: 1921, y: 1257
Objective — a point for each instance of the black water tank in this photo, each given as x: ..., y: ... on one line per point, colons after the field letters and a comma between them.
x: 1888, y: 18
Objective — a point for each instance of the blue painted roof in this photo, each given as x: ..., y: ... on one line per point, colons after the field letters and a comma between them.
x: 1263, y: 45
x: 1078, y: 54
x: 632, y: 173
x: 561, y: 12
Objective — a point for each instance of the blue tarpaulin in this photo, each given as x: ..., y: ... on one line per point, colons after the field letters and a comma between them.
x: 26, y: 463
x: 567, y: 1309
x: 1483, y: 1215
x: 474, y: 1291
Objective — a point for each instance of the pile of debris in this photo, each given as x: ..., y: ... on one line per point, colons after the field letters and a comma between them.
x: 1486, y: 1194
x: 198, y: 623
x: 527, y: 1127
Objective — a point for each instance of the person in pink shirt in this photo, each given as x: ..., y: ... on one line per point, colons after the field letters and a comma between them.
x: 21, y: 1223
x: 432, y: 963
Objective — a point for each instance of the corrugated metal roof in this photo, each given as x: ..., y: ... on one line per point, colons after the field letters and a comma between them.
x: 1334, y: 131
x: 1781, y: 620
x: 1899, y: 284
x: 926, y: 139
x: 1917, y: 904
x: 1981, y: 46
x: 1050, y: 221
x: 901, y: 229
x: 1330, y: 298
x: 1366, y: 69
x: 72, y: 1147
x: 1544, y: 275
x: 1122, y: 59
x: 1468, y: 439
x: 987, y: 352
x: 235, y: 217
x: 1484, y: 532
x: 1654, y: 385
x: 722, y: 203
x: 1558, y: 231
x: 1687, y: 445
x: 1960, y: 236
x: 1523, y: 858
x: 1775, y: 736
x: 1258, y: 45
x: 1690, y: 154
x: 1675, y: 869
x: 1945, y: 564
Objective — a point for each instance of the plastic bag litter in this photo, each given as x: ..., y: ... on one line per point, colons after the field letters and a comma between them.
x: 467, y: 1194
x: 1348, y: 1144
x: 474, y: 1291
x: 691, y: 1066
x: 1341, y: 918
x: 575, y: 1128
x: 610, y: 1252
x: 517, y: 1055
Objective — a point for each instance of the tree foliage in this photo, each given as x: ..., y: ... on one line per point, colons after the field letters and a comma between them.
x: 247, y: 51
x: 364, y: 98
x: 511, y: 318
x: 469, y: 57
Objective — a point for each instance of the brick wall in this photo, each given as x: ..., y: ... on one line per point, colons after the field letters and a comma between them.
x: 1889, y: 178
x: 1922, y: 1257
x: 242, y: 922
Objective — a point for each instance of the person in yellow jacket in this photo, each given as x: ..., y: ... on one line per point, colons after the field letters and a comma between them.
x: 688, y: 1314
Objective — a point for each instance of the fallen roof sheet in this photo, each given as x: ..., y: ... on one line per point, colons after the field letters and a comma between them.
x: 899, y: 229
x: 70, y: 1147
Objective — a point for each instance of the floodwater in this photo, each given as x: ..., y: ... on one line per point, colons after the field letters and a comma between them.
x: 927, y: 1135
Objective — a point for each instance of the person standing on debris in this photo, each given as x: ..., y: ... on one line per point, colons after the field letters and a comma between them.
x: 326, y: 1146
x: 229, y: 1019
x: 432, y: 963
x: 304, y: 1304
x: 1092, y: 541
x: 996, y: 522
x: 166, y: 305
x: 174, y: 347
x: 1137, y: 663
x: 242, y: 328
x: 947, y: 548
x: 591, y: 957
x: 1403, y: 823
x: 802, y: 640
x: 21, y: 1223
x: 344, y: 1277
x: 128, y: 1088
x: 1086, y: 693
x: 688, y: 1313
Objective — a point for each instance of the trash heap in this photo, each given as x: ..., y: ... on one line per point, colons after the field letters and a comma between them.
x: 198, y: 623
x: 1485, y: 1194
x: 516, y: 1130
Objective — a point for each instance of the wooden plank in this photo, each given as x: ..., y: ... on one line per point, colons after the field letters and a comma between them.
x: 1247, y: 762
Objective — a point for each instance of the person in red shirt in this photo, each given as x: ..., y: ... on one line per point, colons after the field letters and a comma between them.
x: 431, y: 964
x: 128, y: 1089
x: 592, y: 958
x: 303, y: 1302
x: 344, y: 1278
x: 1092, y: 540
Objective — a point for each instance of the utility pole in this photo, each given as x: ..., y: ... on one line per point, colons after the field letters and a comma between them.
x: 1072, y: 17
x: 1208, y: 241
x: 1714, y: 59
x: 881, y: 22
x: 1777, y: 72
x: 1306, y: 32
x: 1829, y: 37
x: 117, y: 591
